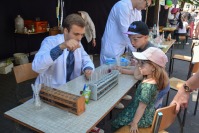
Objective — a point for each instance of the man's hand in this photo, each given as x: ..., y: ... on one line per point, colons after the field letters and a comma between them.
x: 88, y: 73
x: 71, y: 45
x: 181, y: 99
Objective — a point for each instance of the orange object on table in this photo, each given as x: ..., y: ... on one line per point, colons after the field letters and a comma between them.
x: 41, y: 26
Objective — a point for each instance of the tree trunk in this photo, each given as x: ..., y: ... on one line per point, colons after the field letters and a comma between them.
x: 182, y: 4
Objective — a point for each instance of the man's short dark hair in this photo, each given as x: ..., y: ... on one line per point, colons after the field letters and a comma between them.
x: 73, y: 19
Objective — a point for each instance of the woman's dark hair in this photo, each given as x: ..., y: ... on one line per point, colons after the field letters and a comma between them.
x: 180, y: 21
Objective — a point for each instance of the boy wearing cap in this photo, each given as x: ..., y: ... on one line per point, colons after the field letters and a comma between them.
x: 122, y: 14
x: 140, y: 112
x: 138, y: 34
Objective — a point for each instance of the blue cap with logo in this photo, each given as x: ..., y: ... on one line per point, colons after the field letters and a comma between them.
x: 138, y: 27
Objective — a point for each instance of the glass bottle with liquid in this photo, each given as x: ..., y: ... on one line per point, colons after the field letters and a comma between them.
x: 48, y: 27
x: 169, y: 37
x: 154, y: 31
x: 33, y: 28
x: 163, y: 36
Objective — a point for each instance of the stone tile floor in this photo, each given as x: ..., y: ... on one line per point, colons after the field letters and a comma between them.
x: 8, y: 100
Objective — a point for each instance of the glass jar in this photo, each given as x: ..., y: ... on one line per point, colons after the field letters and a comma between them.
x: 19, y: 24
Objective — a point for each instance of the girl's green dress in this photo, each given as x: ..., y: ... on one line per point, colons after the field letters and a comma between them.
x: 145, y: 93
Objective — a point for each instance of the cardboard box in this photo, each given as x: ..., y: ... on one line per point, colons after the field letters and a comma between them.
x: 41, y: 26
x: 5, y: 67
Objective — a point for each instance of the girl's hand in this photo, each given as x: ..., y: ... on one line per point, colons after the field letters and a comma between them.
x: 119, y: 68
x: 134, y: 128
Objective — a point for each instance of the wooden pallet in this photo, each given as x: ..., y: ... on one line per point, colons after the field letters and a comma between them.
x: 66, y: 101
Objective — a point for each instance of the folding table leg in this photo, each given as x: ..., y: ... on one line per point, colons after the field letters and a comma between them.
x: 184, y: 117
x: 167, y: 98
x: 196, y: 105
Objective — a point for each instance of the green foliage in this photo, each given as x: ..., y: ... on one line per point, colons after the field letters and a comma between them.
x: 8, y: 61
x: 193, y: 2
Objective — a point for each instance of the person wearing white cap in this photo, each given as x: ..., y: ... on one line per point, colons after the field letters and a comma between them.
x: 140, y: 112
x: 114, y: 42
x: 138, y: 35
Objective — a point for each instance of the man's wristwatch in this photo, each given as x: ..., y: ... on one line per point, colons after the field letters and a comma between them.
x: 186, y: 88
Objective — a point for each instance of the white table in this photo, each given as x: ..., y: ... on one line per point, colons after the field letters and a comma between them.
x: 50, y: 119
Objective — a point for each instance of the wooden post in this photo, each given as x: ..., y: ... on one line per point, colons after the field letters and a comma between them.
x: 146, y: 14
x: 156, y: 12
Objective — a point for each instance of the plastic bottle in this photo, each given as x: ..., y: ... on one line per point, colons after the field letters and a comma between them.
x: 48, y: 27
x: 169, y: 37
x: 33, y: 28
x: 163, y: 36
x: 19, y: 24
x: 167, y: 24
x: 86, y: 93
x: 154, y: 31
x: 25, y: 30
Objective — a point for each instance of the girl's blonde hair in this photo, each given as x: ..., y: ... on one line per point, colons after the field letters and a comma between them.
x: 160, y: 75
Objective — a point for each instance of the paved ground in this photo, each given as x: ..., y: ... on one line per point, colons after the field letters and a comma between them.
x: 8, y: 100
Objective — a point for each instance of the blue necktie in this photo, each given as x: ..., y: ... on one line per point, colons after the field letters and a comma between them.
x: 70, y: 65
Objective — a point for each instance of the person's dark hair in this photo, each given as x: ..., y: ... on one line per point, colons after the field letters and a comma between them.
x: 73, y: 19
x: 180, y: 21
x: 189, y: 16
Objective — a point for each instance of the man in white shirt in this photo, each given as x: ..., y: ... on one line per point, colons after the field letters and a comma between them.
x: 62, y: 58
x: 122, y: 14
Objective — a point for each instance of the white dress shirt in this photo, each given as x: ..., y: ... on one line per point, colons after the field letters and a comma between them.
x: 114, y: 40
x: 44, y: 64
